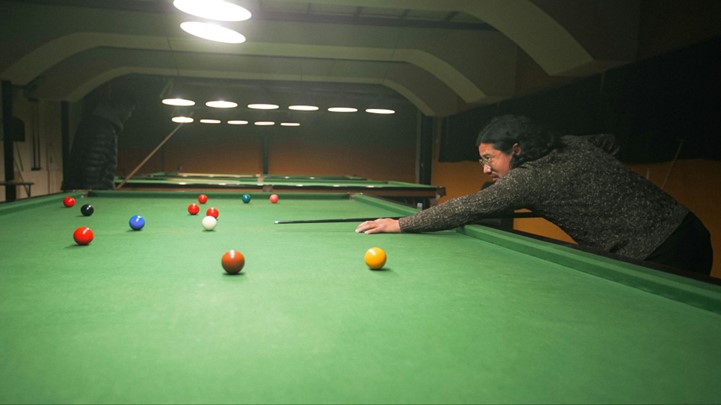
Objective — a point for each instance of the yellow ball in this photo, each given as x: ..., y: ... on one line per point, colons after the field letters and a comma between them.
x: 375, y: 258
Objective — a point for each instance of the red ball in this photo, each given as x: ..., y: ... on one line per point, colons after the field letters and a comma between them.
x: 202, y: 198
x: 83, y: 235
x: 212, y: 212
x: 233, y: 261
x: 69, y: 201
x: 273, y: 198
x: 193, y: 208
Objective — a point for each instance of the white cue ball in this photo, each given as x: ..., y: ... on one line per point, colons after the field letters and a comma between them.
x: 209, y: 223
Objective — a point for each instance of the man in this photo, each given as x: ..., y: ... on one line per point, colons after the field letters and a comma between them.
x: 576, y: 183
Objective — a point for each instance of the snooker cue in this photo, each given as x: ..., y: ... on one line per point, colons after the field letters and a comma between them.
x: 673, y: 162
x: 132, y: 173
x: 319, y: 221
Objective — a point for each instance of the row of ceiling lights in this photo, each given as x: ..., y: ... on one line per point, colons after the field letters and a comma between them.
x: 187, y: 120
x: 181, y: 119
x: 224, y: 104
x: 222, y: 10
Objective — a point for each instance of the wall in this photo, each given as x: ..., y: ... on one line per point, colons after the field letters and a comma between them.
x: 358, y: 144
x: 38, y: 159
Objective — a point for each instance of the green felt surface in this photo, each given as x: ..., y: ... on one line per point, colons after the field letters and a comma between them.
x: 456, y: 317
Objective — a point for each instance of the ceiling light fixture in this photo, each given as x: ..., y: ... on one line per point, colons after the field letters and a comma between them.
x: 209, y: 121
x: 218, y: 10
x: 221, y: 104
x: 212, y: 32
x: 264, y: 123
x: 237, y: 122
x: 178, y: 102
x: 384, y: 111
x: 182, y: 120
x: 263, y: 106
x: 303, y: 108
x: 290, y: 124
x: 342, y: 109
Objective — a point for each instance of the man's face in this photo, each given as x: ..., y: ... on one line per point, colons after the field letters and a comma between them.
x: 496, y: 164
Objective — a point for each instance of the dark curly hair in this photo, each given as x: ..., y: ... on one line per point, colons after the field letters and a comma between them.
x: 535, y: 139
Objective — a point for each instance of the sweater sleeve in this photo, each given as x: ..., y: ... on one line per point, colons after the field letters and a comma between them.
x: 502, y: 197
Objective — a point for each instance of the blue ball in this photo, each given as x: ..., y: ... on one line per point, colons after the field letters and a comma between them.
x: 137, y: 222
x: 246, y: 198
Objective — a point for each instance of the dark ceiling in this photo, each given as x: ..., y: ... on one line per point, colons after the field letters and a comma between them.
x: 440, y: 56
x: 308, y: 12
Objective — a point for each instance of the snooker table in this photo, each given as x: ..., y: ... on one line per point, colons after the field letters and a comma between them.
x: 473, y: 315
x: 409, y: 193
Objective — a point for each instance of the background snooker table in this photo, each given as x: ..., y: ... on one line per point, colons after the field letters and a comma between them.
x: 408, y: 193
x: 468, y: 316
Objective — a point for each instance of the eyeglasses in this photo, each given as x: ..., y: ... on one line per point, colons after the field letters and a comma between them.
x: 485, y: 161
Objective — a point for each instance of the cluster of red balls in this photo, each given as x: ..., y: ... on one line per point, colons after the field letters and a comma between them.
x: 232, y: 261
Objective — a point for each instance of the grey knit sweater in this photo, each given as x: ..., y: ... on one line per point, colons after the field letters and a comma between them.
x: 580, y: 187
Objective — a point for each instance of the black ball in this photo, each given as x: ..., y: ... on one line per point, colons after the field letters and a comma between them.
x: 87, y: 210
